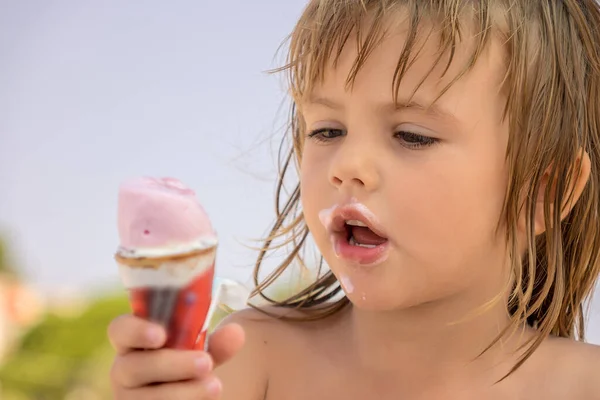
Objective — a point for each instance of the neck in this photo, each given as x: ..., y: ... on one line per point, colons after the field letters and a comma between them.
x: 437, y: 340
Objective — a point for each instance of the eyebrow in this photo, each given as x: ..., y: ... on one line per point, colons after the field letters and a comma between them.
x: 434, y: 110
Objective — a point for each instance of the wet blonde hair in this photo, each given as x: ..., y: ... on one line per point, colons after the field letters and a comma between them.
x: 552, y: 88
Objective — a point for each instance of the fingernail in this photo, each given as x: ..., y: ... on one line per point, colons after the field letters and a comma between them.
x: 213, y: 387
x: 203, y: 364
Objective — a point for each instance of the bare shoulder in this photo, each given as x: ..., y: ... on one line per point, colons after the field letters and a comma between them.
x: 275, y: 347
x: 583, y: 362
x: 255, y: 322
x: 262, y: 328
x: 245, y: 375
x: 263, y: 323
x: 575, y: 366
x: 270, y: 326
x: 271, y: 330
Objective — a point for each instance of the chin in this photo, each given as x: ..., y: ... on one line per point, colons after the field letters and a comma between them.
x: 379, y: 288
x: 381, y: 302
x: 372, y: 303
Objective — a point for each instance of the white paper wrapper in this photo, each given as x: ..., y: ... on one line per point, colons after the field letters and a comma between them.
x: 228, y: 296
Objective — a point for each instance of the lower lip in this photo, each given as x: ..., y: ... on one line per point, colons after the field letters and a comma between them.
x: 363, y: 256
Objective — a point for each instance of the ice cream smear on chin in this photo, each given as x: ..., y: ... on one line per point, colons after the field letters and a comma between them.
x: 347, y: 284
x: 166, y: 256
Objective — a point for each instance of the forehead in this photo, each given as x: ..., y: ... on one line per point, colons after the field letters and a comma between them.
x: 430, y: 67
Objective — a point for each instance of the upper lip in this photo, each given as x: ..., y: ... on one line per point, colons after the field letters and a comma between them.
x: 353, y: 212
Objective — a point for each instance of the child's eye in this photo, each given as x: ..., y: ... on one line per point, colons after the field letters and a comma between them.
x: 325, y: 134
x: 415, y: 141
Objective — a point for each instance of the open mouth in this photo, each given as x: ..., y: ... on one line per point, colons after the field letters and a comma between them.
x: 359, y: 234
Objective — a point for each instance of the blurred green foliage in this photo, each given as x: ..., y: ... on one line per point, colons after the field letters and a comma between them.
x: 63, y: 356
x: 5, y: 267
x: 67, y: 358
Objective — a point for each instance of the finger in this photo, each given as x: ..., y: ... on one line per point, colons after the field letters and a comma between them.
x: 225, y: 342
x: 160, y: 366
x: 128, y: 332
x: 190, y: 390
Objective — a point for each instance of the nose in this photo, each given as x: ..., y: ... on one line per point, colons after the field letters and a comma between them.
x: 355, y: 167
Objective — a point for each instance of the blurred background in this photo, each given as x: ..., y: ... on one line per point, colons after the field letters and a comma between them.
x: 95, y: 92
x: 92, y: 93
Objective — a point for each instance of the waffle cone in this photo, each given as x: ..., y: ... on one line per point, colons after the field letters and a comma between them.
x: 157, y: 262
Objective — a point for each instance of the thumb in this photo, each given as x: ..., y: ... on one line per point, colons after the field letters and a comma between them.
x: 225, y: 342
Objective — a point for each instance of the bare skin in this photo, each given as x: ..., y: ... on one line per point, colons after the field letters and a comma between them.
x: 315, y: 360
x: 280, y: 360
x: 397, y: 340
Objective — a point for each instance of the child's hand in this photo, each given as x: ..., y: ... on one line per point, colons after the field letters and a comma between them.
x: 157, y: 373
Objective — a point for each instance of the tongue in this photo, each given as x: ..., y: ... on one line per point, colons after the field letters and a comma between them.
x: 364, y: 235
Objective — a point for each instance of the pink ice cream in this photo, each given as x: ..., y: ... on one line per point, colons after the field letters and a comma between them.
x: 161, y: 216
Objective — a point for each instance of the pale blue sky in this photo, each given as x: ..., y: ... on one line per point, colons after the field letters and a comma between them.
x: 92, y: 93
x: 95, y: 92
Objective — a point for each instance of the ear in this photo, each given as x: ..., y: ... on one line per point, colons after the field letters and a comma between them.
x: 581, y: 174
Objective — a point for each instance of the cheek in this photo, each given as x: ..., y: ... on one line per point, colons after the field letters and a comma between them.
x: 313, y: 189
x: 450, y: 215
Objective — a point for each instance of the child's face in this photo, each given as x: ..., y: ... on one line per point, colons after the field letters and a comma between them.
x: 436, y: 182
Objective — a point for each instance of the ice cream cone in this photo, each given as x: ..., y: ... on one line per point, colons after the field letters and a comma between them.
x: 166, y: 257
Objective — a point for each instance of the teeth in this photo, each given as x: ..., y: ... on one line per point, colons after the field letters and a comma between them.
x: 354, y: 222
x: 353, y: 242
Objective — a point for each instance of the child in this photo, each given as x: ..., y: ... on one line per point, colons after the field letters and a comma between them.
x: 449, y: 162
